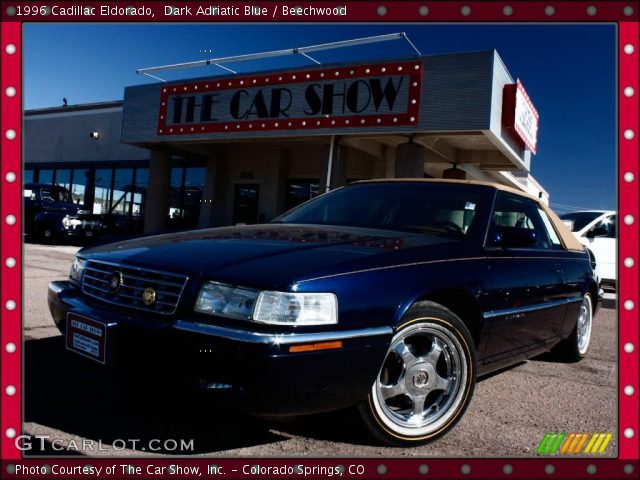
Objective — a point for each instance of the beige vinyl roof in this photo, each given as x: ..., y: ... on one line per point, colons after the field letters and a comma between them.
x: 568, y: 239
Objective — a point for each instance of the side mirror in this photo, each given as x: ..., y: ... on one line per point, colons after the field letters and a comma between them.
x: 597, y: 231
x: 514, y: 237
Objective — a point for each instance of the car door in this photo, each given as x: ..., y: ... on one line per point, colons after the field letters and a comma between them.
x: 525, y: 305
x: 604, y: 247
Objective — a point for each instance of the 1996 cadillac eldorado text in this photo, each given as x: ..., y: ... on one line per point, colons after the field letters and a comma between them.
x: 391, y: 295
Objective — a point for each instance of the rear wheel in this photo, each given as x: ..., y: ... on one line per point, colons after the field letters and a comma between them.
x: 575, y: 348
x: 426, y: 381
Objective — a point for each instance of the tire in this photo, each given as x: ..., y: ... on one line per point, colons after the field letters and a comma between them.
x: 426, y: 381
x: 48, y: 234
x: 575, y: 347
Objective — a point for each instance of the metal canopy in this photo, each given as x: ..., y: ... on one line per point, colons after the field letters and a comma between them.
x: 304, y: 51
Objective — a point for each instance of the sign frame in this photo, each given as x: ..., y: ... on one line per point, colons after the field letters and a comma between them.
x: 412, y: 69
x: 515, y: 100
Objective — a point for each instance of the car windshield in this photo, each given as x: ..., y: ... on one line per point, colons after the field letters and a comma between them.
x: 57, y: 194
x: 576, y: 221
x: 441, y: 209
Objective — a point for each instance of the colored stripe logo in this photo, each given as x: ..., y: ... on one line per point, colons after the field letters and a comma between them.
x: 574, y: 443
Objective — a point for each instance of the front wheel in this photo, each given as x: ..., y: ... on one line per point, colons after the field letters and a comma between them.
x: 426, y: 381
x: 48, y: 234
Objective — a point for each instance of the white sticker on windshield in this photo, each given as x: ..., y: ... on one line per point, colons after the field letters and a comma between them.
x: 27, y: 193
x: 469, y: 206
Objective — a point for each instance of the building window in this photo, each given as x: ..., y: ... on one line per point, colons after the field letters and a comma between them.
x: 175, y: 196
x: 63, y: 178
x: 102, y: 198
x: 45, y: 176
x: 299, y: 191
x: 79, y: 184
x: 27, y: 176
x: 122, y: 188
x: 192, y: 198
x: 185, y: 196
x: 140, y: 191
x: 117, y: 193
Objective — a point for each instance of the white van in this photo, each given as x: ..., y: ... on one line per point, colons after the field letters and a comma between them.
x: 596, y: 230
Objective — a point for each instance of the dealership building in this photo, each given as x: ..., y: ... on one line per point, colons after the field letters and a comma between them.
x: 243, y: 148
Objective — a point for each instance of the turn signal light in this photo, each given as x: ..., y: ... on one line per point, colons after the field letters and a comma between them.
x: 310, y: 347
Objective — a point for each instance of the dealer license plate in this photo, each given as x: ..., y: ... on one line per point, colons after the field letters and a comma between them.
x: 86, y: 337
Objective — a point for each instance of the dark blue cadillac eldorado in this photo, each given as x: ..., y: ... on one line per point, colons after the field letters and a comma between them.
x: 390, y: 295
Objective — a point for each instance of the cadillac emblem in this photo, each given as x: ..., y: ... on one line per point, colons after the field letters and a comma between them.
x: 115, y: 282
x: 149, y: 296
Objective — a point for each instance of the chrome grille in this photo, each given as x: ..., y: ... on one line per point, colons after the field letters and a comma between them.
x: 168, y: 286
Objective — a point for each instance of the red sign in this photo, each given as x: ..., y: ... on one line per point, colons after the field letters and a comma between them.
x: 519, y: 114
x: 362, y: 96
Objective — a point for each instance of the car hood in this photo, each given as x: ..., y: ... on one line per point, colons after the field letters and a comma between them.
x: 70, y: 208
x: 267, y: 255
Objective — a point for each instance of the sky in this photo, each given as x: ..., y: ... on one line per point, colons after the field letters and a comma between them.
x: 569, y: 72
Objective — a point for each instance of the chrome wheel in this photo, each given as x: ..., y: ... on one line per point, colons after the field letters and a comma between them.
x: 583, y: 326
x: 421, y: 383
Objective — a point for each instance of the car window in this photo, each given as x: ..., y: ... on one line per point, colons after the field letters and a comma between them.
x: 446, y: 210
x: 56, y: 193
x: 45, y: 193
x: 518, y: 213
x: 608, y: 223
x: 551, y: 232
x: 576, y: 221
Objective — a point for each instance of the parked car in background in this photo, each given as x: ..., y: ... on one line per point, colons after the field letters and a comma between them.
x: 392, y: 296
x: 50, y: 215
x: 596, y: 230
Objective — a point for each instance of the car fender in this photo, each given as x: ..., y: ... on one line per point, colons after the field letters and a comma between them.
x: 50, y: 218
x: 461, y: 300
x: 388, y: 292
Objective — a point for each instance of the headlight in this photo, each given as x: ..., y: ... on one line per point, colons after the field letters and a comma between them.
x: 68, y: 222
x: 296, y: 308
x: 225, y: 300
x: 77, y: 267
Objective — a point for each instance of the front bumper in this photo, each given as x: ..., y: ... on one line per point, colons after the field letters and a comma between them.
x: 255, y: 368
x: 85, y: 229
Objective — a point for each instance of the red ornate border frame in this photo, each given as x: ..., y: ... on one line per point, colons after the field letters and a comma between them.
x: 623, y: 13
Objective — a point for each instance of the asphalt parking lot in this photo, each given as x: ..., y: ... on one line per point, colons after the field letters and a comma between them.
x: 72, y: 404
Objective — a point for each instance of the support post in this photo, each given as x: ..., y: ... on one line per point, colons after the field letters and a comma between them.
x: 206, y: 207
x: 330, y: 163
x: 157, y: 204
x: 410, y: 158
